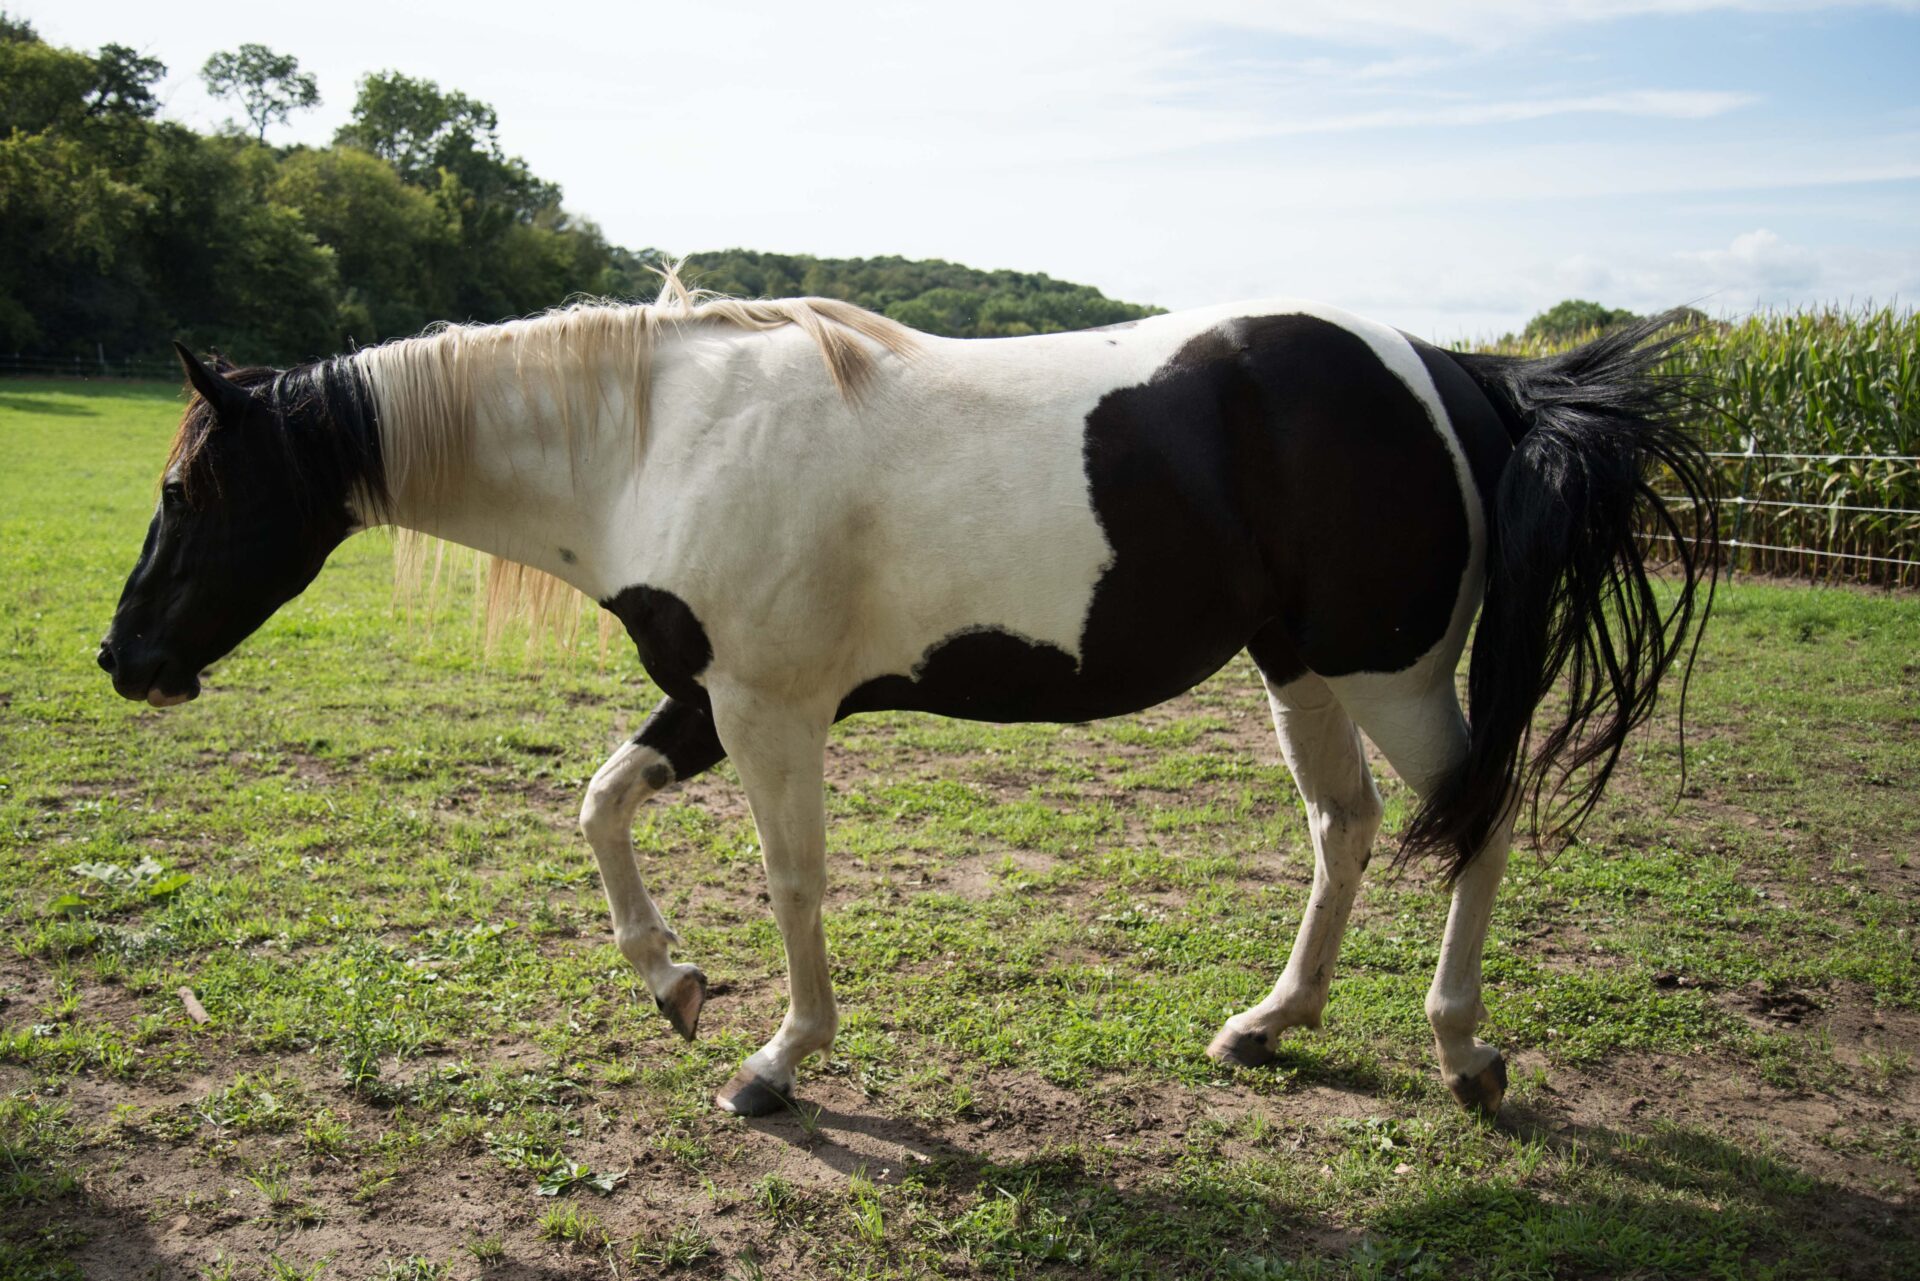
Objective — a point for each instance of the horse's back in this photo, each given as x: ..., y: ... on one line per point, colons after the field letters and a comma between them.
x: 1079, y: 525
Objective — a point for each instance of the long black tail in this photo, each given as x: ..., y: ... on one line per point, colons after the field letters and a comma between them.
x: 1568, y: 586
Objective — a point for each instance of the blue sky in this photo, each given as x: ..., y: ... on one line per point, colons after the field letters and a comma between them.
x: 1447, y: 167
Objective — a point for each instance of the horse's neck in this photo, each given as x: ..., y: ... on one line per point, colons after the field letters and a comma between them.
x: 531, y: 486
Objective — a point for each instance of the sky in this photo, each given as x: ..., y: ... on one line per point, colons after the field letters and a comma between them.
x: 1447, y: 166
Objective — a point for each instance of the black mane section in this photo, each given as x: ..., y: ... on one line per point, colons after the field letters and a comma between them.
x: 330, y: 432
x: 324, y: 429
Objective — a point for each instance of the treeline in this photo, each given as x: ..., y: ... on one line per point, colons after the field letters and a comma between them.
x: 930, y: 295
x: 120, y: 231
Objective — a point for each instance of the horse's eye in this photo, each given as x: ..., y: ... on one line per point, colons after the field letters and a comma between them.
x: 173, y: 492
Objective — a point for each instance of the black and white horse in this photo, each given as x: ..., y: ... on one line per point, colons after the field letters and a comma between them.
x: 800, y: 510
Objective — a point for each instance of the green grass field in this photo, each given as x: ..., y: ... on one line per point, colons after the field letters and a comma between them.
x: 424, y: 1058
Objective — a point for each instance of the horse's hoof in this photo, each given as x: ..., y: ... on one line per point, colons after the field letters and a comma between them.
x: 1482, y: 1092
x: 1243, y: 1049
x: 748, y: 1095
x: 682, y: 1003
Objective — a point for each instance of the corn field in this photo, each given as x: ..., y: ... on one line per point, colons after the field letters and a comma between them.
x: 1815, y: 418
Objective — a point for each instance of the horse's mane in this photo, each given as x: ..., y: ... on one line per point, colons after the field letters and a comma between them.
x: 427, y: 390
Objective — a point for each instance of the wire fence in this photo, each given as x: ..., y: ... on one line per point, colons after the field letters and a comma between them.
x: 99, y: 365
x: 1771, y: 524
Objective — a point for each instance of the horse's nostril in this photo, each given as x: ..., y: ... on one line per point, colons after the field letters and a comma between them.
x: 105, y: 658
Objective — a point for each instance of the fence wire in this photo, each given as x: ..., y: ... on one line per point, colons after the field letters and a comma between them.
x: 1826, y: 458
x: 1861, y: 541
x: 86, y: 367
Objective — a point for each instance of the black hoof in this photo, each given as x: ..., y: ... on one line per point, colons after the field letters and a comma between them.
x: 682, y: 1004
x: 1482, y: 1092
x: 1245, y: 1049
x: 747, y: 1095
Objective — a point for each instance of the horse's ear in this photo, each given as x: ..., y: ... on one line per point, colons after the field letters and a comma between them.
x: 226, y: 398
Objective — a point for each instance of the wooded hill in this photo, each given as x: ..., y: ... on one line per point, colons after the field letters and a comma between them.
x: 120, y: 231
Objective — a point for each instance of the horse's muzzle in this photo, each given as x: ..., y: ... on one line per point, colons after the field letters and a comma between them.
x: 146, y: 679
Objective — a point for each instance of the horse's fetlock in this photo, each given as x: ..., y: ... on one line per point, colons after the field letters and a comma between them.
x: 642, y: 944
x: 1455, y: 1015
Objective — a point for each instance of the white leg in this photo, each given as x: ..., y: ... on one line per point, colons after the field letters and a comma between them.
x: 1472, y: 1069
x: 1323, y: 750
x: 780, y: 752
x: 1418, y: 725
x: 638, y: 770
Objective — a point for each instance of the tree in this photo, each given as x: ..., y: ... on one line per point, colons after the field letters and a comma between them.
x: 70, y: 127
x: 123, y: 84
x: 928, y: 294
x: 424, y: 131
x: 269, y: 86
x: 230, y: 267
x: 1573, y: 317
x: 393, y: 246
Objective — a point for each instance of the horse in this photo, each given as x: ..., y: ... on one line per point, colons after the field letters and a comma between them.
x: 801, y: 510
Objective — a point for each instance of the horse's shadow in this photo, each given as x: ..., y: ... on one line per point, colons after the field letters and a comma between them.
x: 1710, y: 1205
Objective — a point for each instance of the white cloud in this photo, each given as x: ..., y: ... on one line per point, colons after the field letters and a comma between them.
x: 1760, y: 268
x: 1479, y: 22
x: 1176, y: 154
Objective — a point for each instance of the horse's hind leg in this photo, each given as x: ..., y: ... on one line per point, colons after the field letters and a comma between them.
x: 1323, y: 750
x: 677, y: 742
x: 1414, y: 718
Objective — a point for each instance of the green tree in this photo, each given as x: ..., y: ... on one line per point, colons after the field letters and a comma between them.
x: 269, y: 86
x: 512, y: 248
x: 123, y: 83
x: 231, y: 267
x: 1573, y: 317
x: 63, y: 221
x: 392, y: 243
x: 928, y: 294
x: 424, y: 132
x: 70, y: 127
x: 44, y: 89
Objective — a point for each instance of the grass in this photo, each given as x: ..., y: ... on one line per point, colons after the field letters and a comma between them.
x: 357, y: 852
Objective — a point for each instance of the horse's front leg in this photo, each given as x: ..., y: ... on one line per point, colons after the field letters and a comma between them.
x: 677, y: 742
x: 779, y: 749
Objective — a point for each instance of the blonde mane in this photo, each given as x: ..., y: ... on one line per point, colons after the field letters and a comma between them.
x: 429, y: 389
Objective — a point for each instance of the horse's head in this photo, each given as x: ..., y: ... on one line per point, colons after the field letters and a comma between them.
x: 269, y: 472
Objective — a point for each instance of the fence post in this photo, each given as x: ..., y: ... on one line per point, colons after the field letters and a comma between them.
x: 1740, y: 504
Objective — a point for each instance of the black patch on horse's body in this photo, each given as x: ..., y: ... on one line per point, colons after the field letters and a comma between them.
x: 1273, y: 486
x: 980, y: 674
x: 673, y: 645
x: 683, y: 732
x: 1486, y: 435
x: 1352, y: 492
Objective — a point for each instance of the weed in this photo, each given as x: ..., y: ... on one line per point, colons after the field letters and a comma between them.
x: 567, y: 1224
x: 683, y: 1247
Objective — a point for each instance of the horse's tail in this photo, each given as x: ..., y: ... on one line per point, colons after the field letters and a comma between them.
x: 1568, y: 588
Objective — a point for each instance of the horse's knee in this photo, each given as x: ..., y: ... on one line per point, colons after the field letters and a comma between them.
x: 630, y: 777
x: 601, y: 814
x: 1348, y: 824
